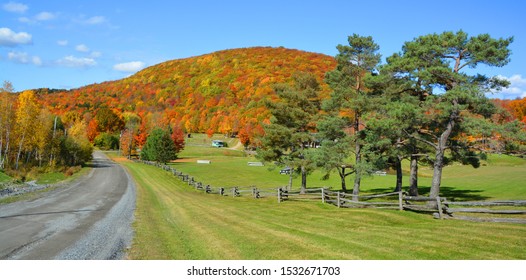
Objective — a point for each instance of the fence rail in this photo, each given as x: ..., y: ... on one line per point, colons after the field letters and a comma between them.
x: 440, y: 207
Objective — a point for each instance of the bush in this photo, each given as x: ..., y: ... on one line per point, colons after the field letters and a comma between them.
x: 34, y: 172
x: 72, y: 170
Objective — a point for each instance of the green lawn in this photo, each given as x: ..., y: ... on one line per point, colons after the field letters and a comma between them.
x: 51, y: 178
x: 500, y: 177
x: 173, y: 221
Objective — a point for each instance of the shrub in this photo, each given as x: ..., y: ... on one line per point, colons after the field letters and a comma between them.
x: 72, y: 170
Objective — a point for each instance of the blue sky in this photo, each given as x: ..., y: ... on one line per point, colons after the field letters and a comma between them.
x: 68, y: 44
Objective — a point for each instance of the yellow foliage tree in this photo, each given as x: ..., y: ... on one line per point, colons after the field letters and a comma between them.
x: 79, y: 130
x: 6, y: 121
x: 26, y: 114
x: 43, y: 134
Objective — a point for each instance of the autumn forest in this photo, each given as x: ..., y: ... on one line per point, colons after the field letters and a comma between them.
x: 225, y: 92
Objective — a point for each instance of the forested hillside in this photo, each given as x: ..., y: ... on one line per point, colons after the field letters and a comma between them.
x: 517, y: 108
x: 220, y: 92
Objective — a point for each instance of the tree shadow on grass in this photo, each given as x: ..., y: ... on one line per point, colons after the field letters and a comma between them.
x: 451, y: 193
x: 455, y: 194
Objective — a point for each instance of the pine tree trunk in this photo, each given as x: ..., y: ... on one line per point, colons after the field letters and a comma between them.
x: 413, y: 176
x: 303, y: 180
x: 342, y: 178
x: 358, y: 152
x: 398, y: 166
x: 437, y: 174
x: 290, y: 179
x: 439, y: 154
x: 356, y: 187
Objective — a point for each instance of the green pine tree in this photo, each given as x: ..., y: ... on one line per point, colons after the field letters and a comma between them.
x: 159, y: 147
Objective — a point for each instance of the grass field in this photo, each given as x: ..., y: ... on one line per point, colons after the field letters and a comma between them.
x: 500, y: 177
x: 173, y: 221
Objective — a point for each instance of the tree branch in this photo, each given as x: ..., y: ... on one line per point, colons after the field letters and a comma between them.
x: 426, y: 132
x: 421, y: 140
x: 462, y: 66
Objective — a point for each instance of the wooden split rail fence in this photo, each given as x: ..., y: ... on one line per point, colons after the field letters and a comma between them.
x: 487, y: 211
x: 253, y: 191
x: 439, y: 206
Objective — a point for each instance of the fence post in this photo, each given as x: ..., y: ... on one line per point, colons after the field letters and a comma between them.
x: 255, y: 192
x: 235, y: 192
x: 400, y: 206
x: 439, y: 206
x: 322, y: 195
x: 338, y: 199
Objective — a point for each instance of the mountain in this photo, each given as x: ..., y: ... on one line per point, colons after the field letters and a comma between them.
x: 221, y: 92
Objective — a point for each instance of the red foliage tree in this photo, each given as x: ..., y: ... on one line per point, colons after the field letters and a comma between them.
x: 178, y: 138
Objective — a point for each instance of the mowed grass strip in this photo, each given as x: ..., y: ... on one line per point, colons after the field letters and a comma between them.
x: 173, y: 221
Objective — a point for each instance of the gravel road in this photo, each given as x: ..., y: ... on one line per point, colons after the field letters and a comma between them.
x: 89, y: 219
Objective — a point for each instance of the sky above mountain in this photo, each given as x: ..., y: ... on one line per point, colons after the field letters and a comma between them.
x: 68, y: 44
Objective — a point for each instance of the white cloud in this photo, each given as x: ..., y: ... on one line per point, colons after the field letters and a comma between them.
x: 62, y: 42
x: 18, y: 57
x: 25, y: 20
x: 10, y: 39
x: 517, y: 87
x: 95, y: 54
x: 14, y: 7
x: 517, y: 79
x: 76, y: 62
x: 24, y: 58
x: 95, y: 20
x: 82, y: 48
x: 45, y: 16
x: 132, y: 66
